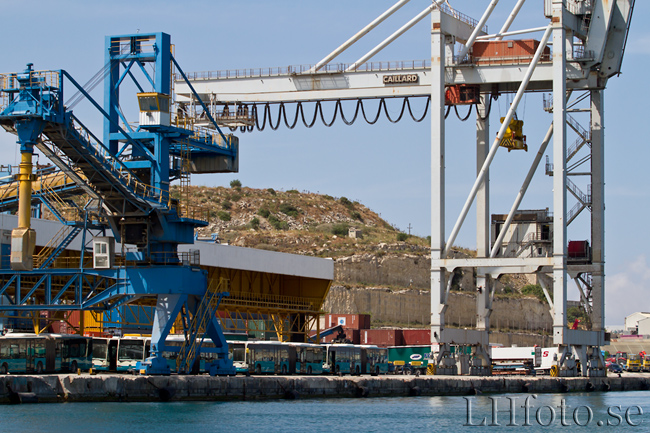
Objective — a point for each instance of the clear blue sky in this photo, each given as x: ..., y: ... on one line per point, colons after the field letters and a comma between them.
x: 385, y: 166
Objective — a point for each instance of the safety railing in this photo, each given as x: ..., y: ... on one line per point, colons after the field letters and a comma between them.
x: 501, y: 60
x: 49, y: 248
x: 185, y: 258
x: 460, y: 16
x: 204, y: 134
x: 241, y: 116
x: 210, y: 136
x: 42, y: 79
x: 117, y: 167
x: 144, y: 44
x: 576, y: 146
x: 302, y: 69
x: 270, y: 301
x: 67, y: 212
x: 579, y: 53
x: 580, y: 8
x: 578, y: 128
x: 200, y: 213
x: 584, y: 198
x: 573, y: 212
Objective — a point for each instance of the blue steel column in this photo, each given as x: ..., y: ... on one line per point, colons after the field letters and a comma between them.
x: 111, y: 94
x: 167, y: 309
x: 162, y: 82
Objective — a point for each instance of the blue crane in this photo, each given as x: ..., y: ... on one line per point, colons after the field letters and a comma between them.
x: 126, y: 177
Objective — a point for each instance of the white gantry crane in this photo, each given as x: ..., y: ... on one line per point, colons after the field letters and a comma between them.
x: 469, y: 66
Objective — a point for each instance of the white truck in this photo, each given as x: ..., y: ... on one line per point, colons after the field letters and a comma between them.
x: 515, y: 360
x: 548, y: 357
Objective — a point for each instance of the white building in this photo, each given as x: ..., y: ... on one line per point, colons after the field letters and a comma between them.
x: 637, y: 323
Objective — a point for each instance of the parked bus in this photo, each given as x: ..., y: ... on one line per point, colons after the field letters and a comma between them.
x: 343, y: 359
x: 374, y: 360
x: 202, y: 363
x: 44, y: 353
x: 273, y: 357
x: 267, y: 357
x: 119, y: 354
x: 306, y: 358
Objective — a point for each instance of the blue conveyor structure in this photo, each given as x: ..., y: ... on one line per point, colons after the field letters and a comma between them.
x: 125, y: 177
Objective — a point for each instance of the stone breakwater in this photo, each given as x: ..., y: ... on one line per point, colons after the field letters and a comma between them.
x: 124, y: 388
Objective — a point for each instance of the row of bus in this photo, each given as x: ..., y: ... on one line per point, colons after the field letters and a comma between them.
x: 44, y: 353
x: 59, y: 353
x: 249, y: 357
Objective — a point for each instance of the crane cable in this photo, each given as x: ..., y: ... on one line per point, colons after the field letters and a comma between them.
x: 319, y: 112
x: 299, y: 114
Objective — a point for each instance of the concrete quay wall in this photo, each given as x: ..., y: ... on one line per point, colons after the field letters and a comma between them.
x: 78, y: 388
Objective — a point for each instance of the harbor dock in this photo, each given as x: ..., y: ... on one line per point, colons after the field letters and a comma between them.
x: 131, y: 388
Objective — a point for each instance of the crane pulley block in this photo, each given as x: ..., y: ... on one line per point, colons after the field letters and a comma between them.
x: 514, y: 137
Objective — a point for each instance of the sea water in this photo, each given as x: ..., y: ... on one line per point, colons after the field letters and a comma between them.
x: 613, y: 411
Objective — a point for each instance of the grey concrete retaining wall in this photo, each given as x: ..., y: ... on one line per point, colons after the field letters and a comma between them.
x: 413, y: 307
x: 74, y: 388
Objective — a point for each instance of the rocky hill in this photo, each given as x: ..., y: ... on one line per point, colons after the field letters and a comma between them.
x: 298, y: 222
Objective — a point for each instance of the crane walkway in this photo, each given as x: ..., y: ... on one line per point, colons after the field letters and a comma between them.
x: 121, y: 190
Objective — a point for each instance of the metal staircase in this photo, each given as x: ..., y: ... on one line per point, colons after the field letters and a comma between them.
x: 65, y: 211
x: 200, y: 321
x: 121, y: 190
x: 53, y: 249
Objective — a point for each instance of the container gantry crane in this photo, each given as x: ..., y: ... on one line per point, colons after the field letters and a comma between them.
x: 588, y: 39
x: 126, y: 178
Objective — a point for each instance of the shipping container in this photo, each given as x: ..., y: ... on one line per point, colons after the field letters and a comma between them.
x: 579, y: 250
x: 382, y: 337
x: 414, y: 337
x: 410, y: 359
x: 507, y: 52
x: 348, y: 321
x: 93, y: 322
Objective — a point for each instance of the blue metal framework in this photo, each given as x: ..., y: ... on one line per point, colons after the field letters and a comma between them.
x: 127, y: 176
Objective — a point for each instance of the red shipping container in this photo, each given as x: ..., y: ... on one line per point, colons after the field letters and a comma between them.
x: 382, y: 337
x: 579, y: 250
x: 73, y: 319
x: 57, y: 328
x: 348, y: 321
x: 507, y: 52
x: 416, y: 337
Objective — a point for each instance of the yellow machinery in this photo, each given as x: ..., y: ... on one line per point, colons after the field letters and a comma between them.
x: 646, y: 363
x: 514, y: 137
x: 633, y: 362
x: 23, y: 237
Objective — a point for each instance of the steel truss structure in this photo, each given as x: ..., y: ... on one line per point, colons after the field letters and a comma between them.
x: 126, y: 177
x: 588, y: 39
